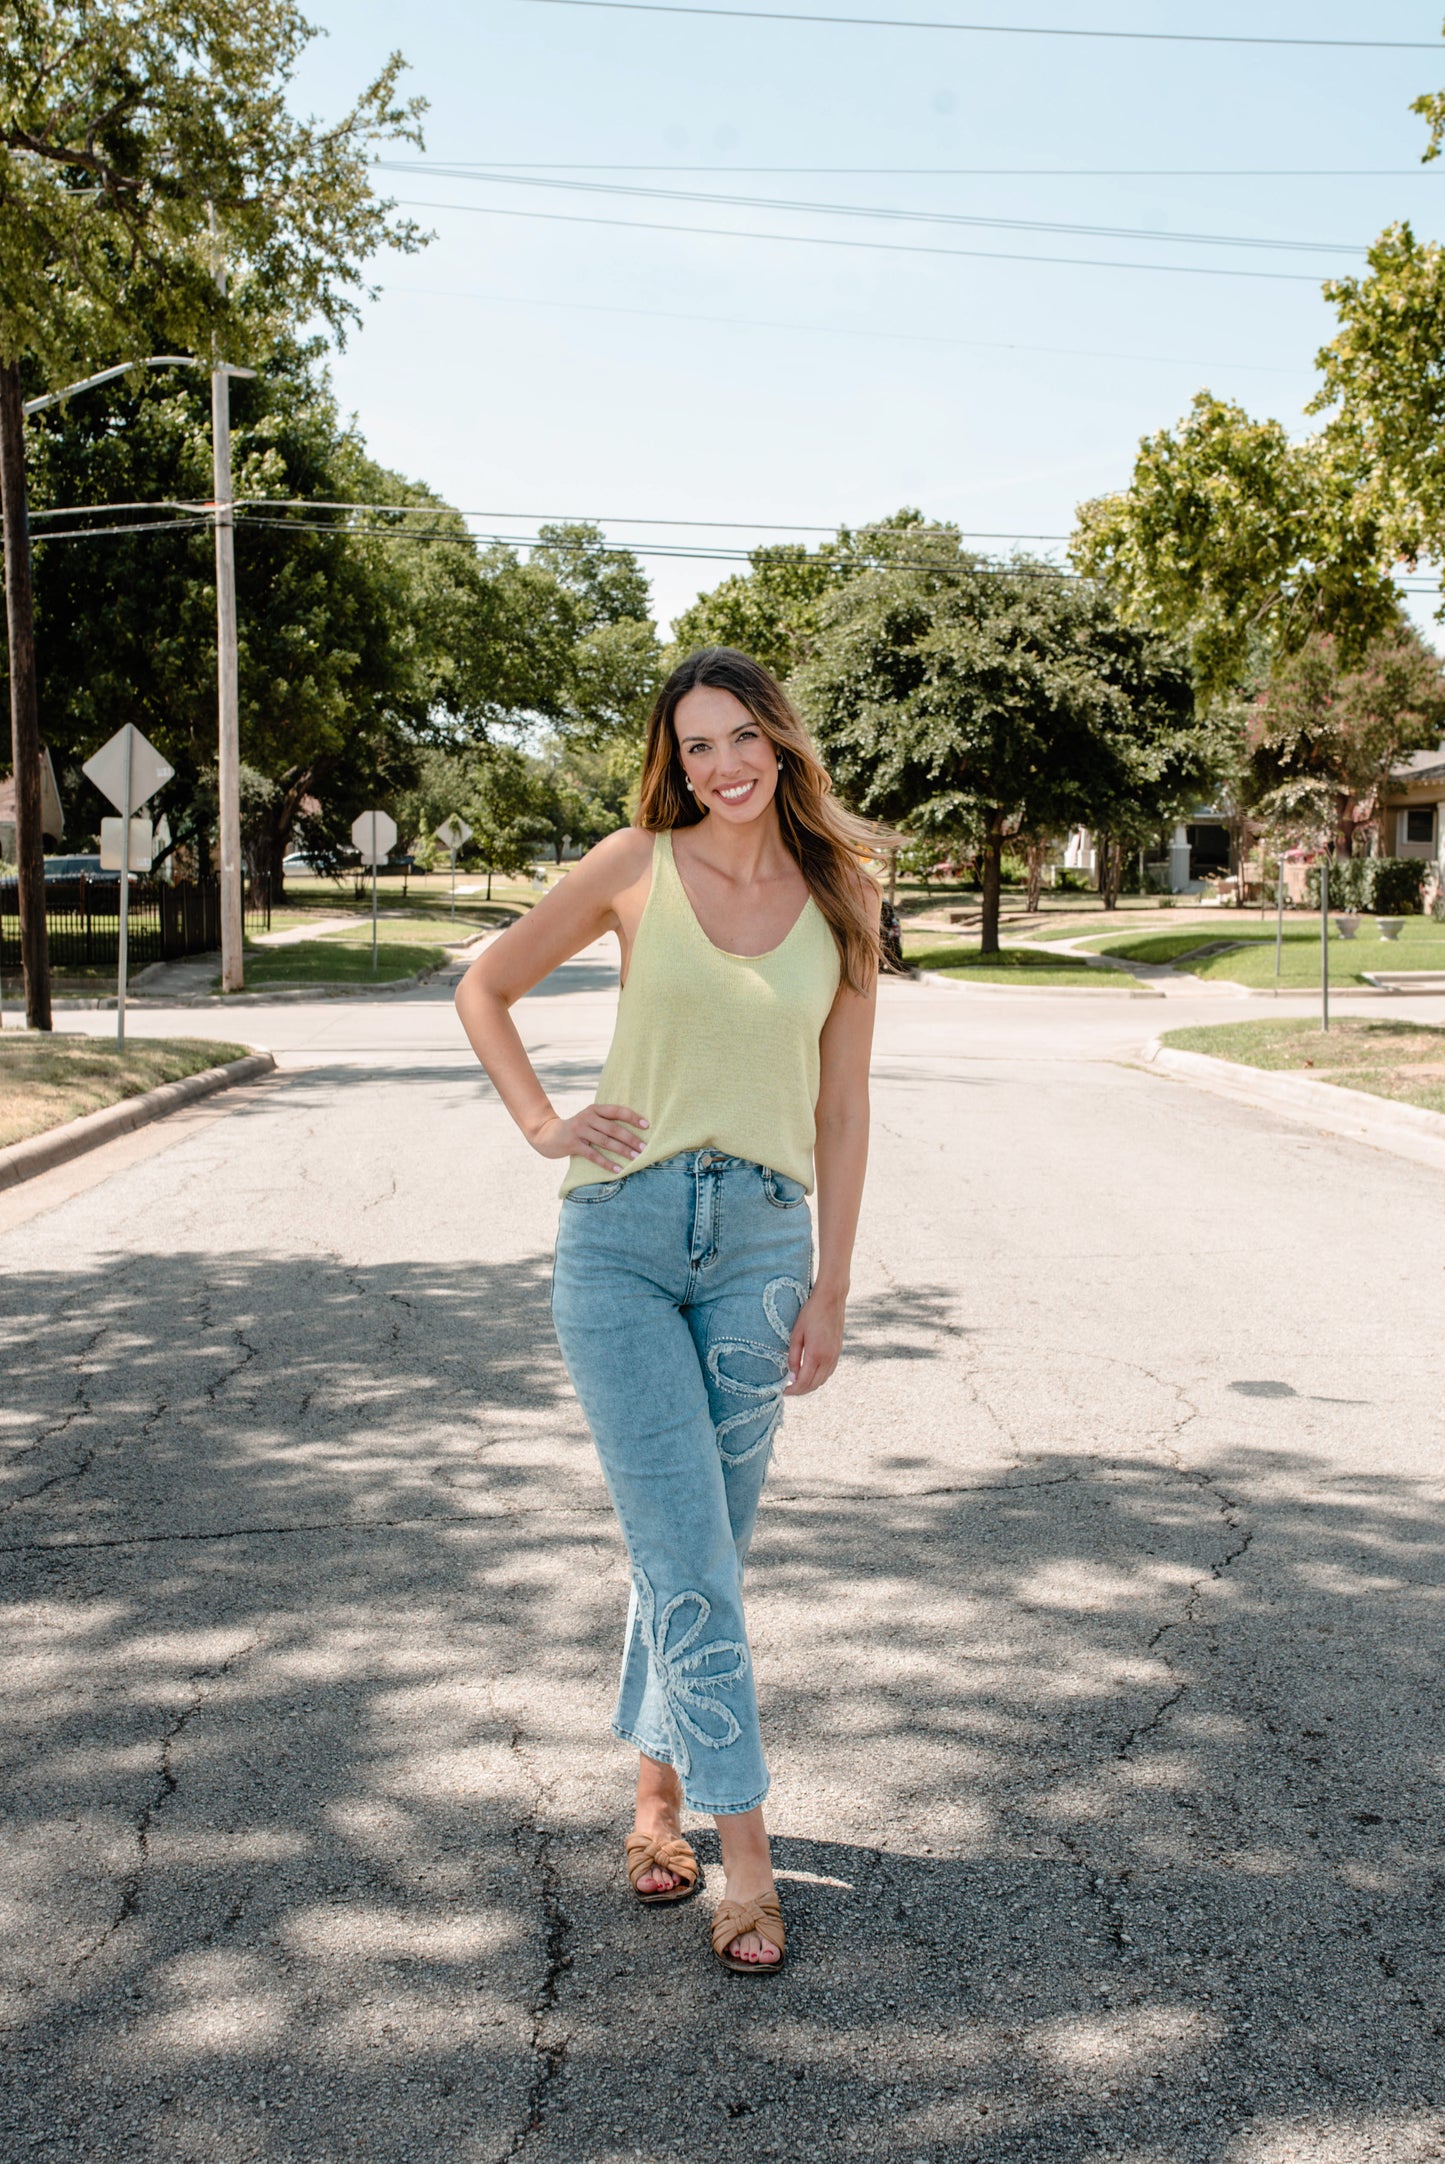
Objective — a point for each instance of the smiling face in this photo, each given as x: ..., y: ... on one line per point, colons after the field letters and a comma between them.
x: 731, y: 763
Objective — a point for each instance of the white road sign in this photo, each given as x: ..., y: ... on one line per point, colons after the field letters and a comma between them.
x: 148, y: 770
x: 142, y: 845
x: 373, y: 833
x: 453, y: 832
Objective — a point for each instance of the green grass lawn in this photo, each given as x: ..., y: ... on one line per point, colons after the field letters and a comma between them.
x: 429, y: 893
x: 1015, y: 965
x: 404, y: 945
x: 1404, y: 1061
x: 1421, y: 945
x: 48, y: 1078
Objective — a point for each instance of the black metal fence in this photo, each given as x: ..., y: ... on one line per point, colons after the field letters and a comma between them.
x: 82, y: 920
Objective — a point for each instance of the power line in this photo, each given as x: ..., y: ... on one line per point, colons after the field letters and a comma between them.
x: 883, y: 247
x: 669, y: 550
x: 1002, y: 30
x: 202, y: 514
x: 591, y: 518
x: 861, y: 210
x: 150, y: 525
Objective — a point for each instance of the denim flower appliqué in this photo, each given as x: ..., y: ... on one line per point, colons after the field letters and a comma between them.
x: 758, y: 1372
x: 692, y: 1675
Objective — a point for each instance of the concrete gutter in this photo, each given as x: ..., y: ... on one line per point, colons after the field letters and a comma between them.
x: 1404, y: 1130
x: 41, y: 1153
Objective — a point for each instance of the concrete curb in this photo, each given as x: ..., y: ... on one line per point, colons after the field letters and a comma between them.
x: 1123, y: 987
x: 41, y: 1153
x: 1404, y: 1130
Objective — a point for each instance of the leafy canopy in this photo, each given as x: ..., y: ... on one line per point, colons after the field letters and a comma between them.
x: 1249, y: 544
x: 976, y: 701
x: 1230, y: 535
x: 774, y: 610
x: 145, y: 144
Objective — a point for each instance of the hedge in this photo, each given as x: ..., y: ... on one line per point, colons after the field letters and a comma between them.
x: 1380, y: 886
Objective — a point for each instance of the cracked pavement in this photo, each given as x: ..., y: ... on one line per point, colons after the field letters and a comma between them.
x: 1097, y: 1607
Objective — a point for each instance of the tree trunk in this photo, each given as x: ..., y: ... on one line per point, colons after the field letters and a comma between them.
x: 1034, y: 858
x: 24, y: 705
x: 992, y: 885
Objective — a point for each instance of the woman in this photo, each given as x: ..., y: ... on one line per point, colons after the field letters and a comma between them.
x: 683, y: 1292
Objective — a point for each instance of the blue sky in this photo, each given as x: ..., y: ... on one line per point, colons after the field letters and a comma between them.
x: 530, y: 365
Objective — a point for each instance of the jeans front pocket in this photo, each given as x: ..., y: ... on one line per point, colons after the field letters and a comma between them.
x: 595, y: 1191
x: 782, y: 1192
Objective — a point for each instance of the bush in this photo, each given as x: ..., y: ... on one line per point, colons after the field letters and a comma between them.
x: 1398, y: 887
x: 1384, y: 886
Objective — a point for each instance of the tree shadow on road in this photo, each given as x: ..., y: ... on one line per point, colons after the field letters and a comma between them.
x: 1107, y: 1790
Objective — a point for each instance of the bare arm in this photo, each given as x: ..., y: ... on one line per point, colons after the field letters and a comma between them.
x: 565, y: 921
x: 840, y: 1155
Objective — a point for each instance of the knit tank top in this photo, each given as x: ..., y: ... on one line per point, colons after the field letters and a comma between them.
x: 716, y: 1050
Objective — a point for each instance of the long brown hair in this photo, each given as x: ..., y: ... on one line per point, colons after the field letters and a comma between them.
x: 827, y: 843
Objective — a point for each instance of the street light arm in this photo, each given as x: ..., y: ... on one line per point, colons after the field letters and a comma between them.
x: 123, y: 368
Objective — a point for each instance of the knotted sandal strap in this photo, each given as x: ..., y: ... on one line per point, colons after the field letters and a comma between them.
x: 734, y: 1919
x: 672, y: 1854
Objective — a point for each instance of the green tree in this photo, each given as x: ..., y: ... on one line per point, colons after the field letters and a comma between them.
x: 774, y: 610
x: 143, y: 149
x: 981, y: 702
x: 1229, y: 534
x: 503, y: 810
x: 1382, y: 384
x: 615, y: 659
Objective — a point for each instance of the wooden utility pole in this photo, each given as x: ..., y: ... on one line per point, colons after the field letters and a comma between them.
x: 24, y: 704
x: 228, y: 764
x: 228, y: 701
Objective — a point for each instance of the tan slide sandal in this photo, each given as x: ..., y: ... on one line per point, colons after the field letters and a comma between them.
x: 672, y: 1854
x: 735, y: 1918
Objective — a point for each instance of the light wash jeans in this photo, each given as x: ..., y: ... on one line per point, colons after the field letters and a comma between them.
x: 674, y: 1294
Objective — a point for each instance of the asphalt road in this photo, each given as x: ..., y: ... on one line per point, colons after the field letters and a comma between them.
x: 1097, y: 1607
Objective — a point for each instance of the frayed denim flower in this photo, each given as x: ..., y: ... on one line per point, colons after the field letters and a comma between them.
x: 691, y: 1675
x: 773, y: 1365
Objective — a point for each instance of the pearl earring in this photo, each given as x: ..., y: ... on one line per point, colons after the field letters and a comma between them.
x: 690, y: 790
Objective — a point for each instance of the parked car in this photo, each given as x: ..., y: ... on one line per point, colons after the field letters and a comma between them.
x: 297, y: 866
x: 82, y: 867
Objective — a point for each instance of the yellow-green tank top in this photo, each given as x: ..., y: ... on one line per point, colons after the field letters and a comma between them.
x: 716, y: 1050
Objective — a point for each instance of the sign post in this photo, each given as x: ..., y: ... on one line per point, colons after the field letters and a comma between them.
x: 129, y: 770
x: 1325, y: 941
x: 451, y: 834
x: 1279, y: 915
x: 373, y: 833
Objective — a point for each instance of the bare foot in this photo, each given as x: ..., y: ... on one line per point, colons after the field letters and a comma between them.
x: 659, y: 1816
x: 747, y: 1862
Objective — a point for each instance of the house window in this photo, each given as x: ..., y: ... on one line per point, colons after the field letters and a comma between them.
x: 1420, y: 824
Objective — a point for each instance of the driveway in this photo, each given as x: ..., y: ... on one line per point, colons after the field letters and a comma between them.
x: 1097, y: 1608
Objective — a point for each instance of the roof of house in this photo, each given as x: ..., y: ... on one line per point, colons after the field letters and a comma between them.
x: 1421, y: 766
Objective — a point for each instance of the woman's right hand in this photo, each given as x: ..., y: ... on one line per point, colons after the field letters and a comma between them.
x: 590, y: 1133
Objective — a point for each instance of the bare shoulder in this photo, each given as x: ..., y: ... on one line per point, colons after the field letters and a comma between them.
x: 615, y: 863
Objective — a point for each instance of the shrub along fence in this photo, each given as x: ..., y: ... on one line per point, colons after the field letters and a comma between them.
x: 1387, y: 886
x: 82, y: 920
